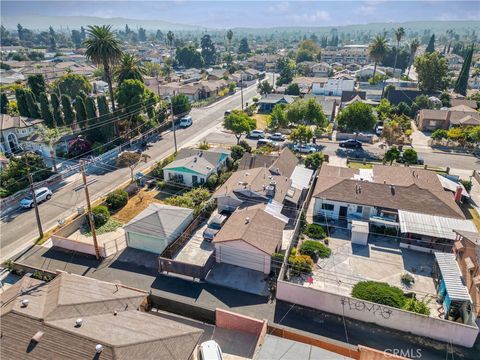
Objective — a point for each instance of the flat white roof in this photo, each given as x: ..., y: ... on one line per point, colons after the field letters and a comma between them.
x: 452, y: 277
x: 360, y: 226
x: 431, y: 225
x: 301, y: 177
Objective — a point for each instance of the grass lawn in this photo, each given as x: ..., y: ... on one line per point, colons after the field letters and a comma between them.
x: 136, y: 205
x: 359, y: 165
x: 261, y: 120
x: 110, y: 225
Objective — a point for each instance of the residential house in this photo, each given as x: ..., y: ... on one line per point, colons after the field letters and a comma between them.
x: 192, y: 167
x: 329, y: 104
x: 156, y: 227
x: 249, y: 238
x: 467, y: 251
x: 282, y: 164
x: 367, y: 72
x: 334, y: 87
x: 408, y: 96
x: 350, y: 95
x: 11, y: 76
x: 305, y: 83
x: 263, y: 62
x: 13, y: 129
x: 349, y: 54
x: 217, y: 74
x: 460, y: 115
x: 268, y: 102
x: 472, y: 104
x: 77, y: 317
x: 322, y: 70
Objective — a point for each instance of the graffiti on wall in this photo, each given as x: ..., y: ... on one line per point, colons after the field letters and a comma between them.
x: 362, y: 306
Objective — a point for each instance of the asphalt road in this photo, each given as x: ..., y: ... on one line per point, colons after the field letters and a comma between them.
x: 19, y: 228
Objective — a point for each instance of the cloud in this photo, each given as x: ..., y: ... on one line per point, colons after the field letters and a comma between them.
x: 366, y: 10
x: 317, y: 16
x: 280, y: 8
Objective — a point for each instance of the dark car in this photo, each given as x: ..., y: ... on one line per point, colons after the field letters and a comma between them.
x: 350, y: 144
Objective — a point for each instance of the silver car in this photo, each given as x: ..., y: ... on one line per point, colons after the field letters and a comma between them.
x: 41, y: 194
x: 214, y: 225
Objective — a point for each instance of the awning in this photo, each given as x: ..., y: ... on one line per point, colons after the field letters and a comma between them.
x: 431, y: 225
x: 452, y: 277
x: 452, y: 185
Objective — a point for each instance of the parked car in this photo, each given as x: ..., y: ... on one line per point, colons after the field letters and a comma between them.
x: 277, y: 137
x: 213, y: 227
x: 263, y: 142
x: 41, y: 194
x: 186, y: 121
x: 256, y: 134
x: 350, y: 144
x: 210, y: 350
x: 227, y: 112
x: 305, y: 148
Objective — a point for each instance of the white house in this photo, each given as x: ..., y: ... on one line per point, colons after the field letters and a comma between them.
x: 15, y: 128
x: 367, y: 72
x: 193, y: 167
x: 333, y: 87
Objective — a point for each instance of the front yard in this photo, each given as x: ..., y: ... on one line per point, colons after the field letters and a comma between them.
x: 262, y: 121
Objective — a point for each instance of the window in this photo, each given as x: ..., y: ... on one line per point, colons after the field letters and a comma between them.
x: 432, y: 123
x: 328, y: 207
x: 359, y: 209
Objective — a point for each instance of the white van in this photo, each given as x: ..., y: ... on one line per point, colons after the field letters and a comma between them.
x: 210, y: 350
x: 186, y: 121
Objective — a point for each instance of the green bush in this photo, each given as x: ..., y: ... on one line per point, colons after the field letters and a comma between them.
x: 314, y: 161
x: 161, y: 184
x: 416, y: 306
x: 237, y: 152
x: 467, y: 184
x: 300, y: 264
x: 117, y: 199
x: 244, y: 144
x: 315, y: 231
x: 314, y: 249
x: 100, y: 215
x: 211, y: 182
x: 407, y: 279
x: 380, y: 293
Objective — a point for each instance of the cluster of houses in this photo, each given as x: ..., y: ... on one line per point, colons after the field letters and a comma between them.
x: 462, y: 113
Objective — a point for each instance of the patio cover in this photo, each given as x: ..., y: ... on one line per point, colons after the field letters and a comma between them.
x: 431, y: 225
x: 452, y: 277
x: 452, y: 185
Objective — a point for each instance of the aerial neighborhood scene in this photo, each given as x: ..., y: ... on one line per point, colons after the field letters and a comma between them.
x: 233, y: 180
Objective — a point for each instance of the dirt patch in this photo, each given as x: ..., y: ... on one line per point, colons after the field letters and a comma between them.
x: 262, y: 121
x: 136, y: 205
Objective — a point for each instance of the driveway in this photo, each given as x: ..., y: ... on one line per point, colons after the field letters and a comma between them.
x: 239, y: 278
x: 420, y: 141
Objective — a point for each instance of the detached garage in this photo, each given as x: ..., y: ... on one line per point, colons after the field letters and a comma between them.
x: 249, y: 238
x: 156, y: 227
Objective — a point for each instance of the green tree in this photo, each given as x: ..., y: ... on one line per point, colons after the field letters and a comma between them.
x: 243, y: 48
x: 439, y: 134
x: 189, y: 57
x: 72, y: 85
x: 384, y: 109
x: 208, y: 50
x: 107, y: 129
x: 423, y: 102
x: 94, y: 134
x: 301, y: 134
x: 413, y: 50
x: 314, y: 114
x: 68, y: 114
x: 32, y: 105
x: 377, y: 50
x: 229, y: 38
x: 181, y: 104
x: 278, y: 117
x: 399, y: 34
x: 462, y: 82
x: 103, y: 49
x: 410, y: 156
x: 239, y: 123
x: 293, y: 89
x: 357, y: 117
x: 391, y: 155
x: 286, y: 68
x: 314, y: 161
x: 308, y: 50
x: 22, y: 102
x: 432, y: 70
x: 431, y: 45
x: 131, y: 68
x: 445, y: 98
x: 142, y: 34
x: 36, y: 83
x: 4, y: 104
x: 57, y: 111
x: 81, y: 112
x: 46, y: 110
x: 264, y: 87
x: 170, y: 38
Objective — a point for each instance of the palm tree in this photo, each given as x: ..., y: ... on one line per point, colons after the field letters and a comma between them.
x: 130, y: 67
x: 398, y: 35
x: 229, y: 37
x: 170, y: 38
x: 167, y: 69
x: 103, y: 49
x: 413, y: 49
x: 377, y: 50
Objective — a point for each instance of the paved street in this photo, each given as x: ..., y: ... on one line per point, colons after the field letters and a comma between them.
x: 19, y: 228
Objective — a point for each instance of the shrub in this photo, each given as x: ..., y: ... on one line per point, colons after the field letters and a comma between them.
x: 277, y: 260
x: 237, y: 152
x: 244, y: 144
x: 408, y: 132
x: 315, y: 231
x: 407, y: 279
x: 211, y: 182
x: 416, y: 306
x: 117, y: 199
x: 161, y: 184
x: 100, y: 215
x: 300, y: 264
x: 313, y: 161
x: 380, y: 293
x: 467, y: 184
x: 204, y: 145
x: 314, y: 249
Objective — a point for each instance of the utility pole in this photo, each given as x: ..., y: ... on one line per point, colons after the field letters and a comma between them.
x: 241, y: 87
x: 173, y: 124
x: 34, y: 197
x: 89, y: 211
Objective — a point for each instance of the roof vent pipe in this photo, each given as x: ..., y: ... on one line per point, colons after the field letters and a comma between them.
x: 24, y: 303
x: 98, y: 348
x: 78, y: 322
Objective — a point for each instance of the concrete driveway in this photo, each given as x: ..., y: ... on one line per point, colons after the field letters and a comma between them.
x: 239, y: 278
x: 420, y: 141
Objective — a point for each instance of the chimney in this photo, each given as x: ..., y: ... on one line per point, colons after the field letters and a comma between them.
x: 458, y: 194
x: 392, y: 189
x: 247, y: 220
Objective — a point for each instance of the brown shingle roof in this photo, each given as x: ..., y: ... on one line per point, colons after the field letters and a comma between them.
x: 255, y: 227
x: 470, y: 103
x: 415, y: 190
x: 282, y: 164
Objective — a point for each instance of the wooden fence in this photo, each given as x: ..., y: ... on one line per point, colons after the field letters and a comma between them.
x: 186, y: 269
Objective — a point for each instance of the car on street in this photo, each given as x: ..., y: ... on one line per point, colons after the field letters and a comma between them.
x: 185, y: 122
x: 256, y: 134
x: 350, y: 144
x: 277, y: 137
x: 227, y: 112
x: 210, y: 350
x: 213, y: 226
x: 305, y: 148
x: 41, y: 194
x: 263, y: 142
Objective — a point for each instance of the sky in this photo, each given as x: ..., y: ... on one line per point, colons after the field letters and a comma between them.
x: 237, y: 13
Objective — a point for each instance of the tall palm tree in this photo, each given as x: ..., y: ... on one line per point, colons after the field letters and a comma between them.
x: 103, y: 49
x: 377, y: 50
x: 413, y: 49
x: 399, y: 33
x: 170, y: 38
x: 130, y: 67
x: 230, y: 37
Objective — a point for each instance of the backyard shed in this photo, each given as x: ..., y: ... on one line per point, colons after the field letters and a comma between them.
x: 359, y: 232
x: 156, y: 227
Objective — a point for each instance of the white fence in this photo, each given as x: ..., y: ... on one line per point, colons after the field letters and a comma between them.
x: 438, y: 329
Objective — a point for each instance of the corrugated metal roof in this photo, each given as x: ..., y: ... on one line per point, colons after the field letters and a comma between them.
x: 452, y: 277
x: 431, y: 225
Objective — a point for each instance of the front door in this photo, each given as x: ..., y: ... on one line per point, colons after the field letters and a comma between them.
x: 343, y: 213
x: 194, y: 180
